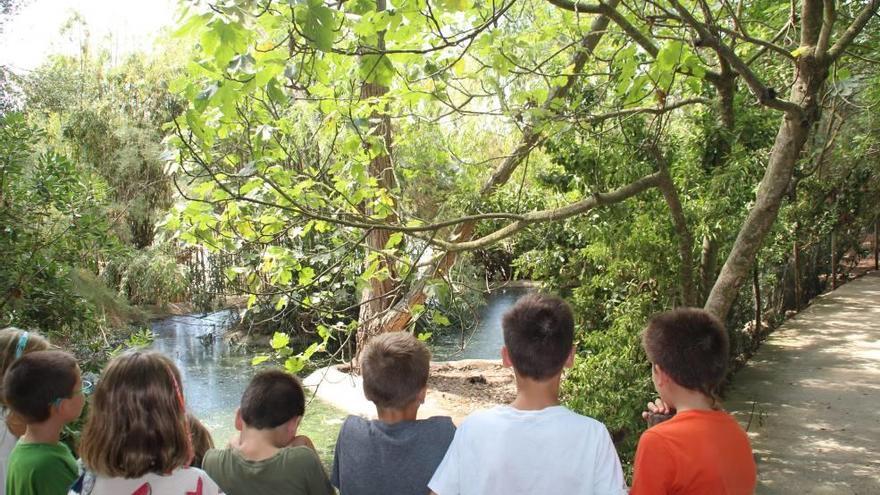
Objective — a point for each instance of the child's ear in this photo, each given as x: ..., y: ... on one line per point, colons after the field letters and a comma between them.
x: 569, y: 361
x: 505, y: 357
x: 239, y: 424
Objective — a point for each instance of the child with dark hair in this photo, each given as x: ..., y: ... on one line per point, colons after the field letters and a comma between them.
x: 397, y: 453
x: 534, y: 445
x: 268, y: 457
x: 14, y: 343
x: 44, y: 388
x: 136, y: 439
x: 701, y: 449
x: 201, y: 440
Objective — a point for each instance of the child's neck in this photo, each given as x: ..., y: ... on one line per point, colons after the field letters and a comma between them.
x: 683, y: 399
x: 257, y: 445
x: 48, y: 431
x: 391, y: 416
x: 534, y: 395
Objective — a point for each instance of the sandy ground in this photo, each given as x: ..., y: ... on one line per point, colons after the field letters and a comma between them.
x: 455, y: 389
x: 810, y: 397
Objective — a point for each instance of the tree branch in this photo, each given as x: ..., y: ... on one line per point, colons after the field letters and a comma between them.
x: 612, y: 13
x: 852, y: 31
x: 598, y: 199
x: 765, y: 95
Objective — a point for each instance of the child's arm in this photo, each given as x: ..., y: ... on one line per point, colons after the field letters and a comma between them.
x: 654, y: 468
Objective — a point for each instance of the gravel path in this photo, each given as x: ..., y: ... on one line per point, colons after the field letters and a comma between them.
x: 810, y: 397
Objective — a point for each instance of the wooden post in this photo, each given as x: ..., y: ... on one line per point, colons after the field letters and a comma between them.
x: 833, y: 260
x: 797, y: 268
x: 756, y: 287
x: 876, y: 253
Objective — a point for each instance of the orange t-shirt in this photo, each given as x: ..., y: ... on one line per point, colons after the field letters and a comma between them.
x: 695, y: 453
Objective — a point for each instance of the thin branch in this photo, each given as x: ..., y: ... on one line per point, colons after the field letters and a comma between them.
x: 598, y: 199
x: 852, y: 31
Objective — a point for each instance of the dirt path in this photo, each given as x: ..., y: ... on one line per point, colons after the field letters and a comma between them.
x: 810, y: 397
x: 455, y: 389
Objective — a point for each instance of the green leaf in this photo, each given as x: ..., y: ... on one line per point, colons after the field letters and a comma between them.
x: 294, y: 364
x: 393, y: 240
x: 306, y: 276
x: 424, y: 336
x: 318, y: 27
x: 279, y: 341
x: 257, y: 360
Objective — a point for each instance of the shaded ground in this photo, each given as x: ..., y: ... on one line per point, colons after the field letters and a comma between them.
x: 455, y: 389
x: 810, y: 396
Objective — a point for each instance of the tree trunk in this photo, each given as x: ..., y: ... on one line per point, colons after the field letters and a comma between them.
x: 756, y: 289
x: 833, y: 260
x: 790, y: 140
x: 708, y: 265
x: 378, y: 295
x: 685, y: 240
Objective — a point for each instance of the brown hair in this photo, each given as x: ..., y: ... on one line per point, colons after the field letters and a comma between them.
x: 395, y: 369
x: 691, y: 346
x: 9, y: 345
x: 35, y: 380
x: 201, y: 439
x: 539, y: 335
x: 272, y: 398
x: 137, y: 421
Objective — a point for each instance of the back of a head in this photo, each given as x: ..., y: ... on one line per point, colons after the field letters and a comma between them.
x: 37, y: 379
x: 539, y: 335
x: 691, y: 346
x: 272, y: 398
x: 137, y: 421
x: 15, y: 343
x: 201, y: 439
x: 395, y: 369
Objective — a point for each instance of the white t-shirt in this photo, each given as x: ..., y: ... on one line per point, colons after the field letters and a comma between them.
x: 184, y: 481
x: 7, y: 443
x: 506, y: 450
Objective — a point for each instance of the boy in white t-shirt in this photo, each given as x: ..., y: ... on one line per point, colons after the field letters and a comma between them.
x: 534, y: 445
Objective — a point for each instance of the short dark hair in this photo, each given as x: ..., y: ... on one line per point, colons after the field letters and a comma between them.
x: 272, y: 398
x: 691, y: 346
x: 35, y: 380
x: 539, y: 335
x: 395, y: 369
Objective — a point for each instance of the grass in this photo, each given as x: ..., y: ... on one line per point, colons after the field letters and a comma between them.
x: 321, y: 424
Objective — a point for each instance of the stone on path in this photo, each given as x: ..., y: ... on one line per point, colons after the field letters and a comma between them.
x: 810, y: 397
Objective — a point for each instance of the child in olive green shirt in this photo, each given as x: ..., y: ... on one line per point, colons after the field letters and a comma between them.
x: 39, y: 464
x: 268, y: 457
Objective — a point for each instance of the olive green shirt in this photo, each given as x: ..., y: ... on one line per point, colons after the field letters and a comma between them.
x: 292, y: 471
x: 40, y: 469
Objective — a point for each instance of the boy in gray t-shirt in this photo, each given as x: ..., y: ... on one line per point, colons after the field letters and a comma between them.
x: 396, y: 454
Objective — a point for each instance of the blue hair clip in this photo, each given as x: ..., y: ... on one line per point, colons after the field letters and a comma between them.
x: 22, y: 343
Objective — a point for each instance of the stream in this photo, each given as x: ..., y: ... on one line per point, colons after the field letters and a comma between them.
x: 215, y: 374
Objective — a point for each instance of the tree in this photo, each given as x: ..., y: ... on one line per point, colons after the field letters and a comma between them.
x: 280, y: 140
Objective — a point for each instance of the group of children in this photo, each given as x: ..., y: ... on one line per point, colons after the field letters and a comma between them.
x: 138, y: 438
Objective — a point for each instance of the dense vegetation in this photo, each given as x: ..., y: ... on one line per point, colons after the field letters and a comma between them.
x: 353, y: 168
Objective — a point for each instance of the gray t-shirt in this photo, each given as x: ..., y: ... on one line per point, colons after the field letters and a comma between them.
x: 373, y: 457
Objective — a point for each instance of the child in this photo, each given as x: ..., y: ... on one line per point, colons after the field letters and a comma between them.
x: 533, y: 445
x: 44, y: 388
x: 14, y: 343
x: 702, y: 449
x: 268, y: 457
x: 136, y: 439
x: 396, y: 453
x: 201, y: 440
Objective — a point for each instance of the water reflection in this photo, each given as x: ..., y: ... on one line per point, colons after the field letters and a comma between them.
x: 214, y: 375
x: 484, y: 341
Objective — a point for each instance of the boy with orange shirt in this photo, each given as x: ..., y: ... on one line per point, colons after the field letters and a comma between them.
x: 701, y: 449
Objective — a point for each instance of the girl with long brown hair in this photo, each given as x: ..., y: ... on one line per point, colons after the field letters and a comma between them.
x: 137, y: 439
